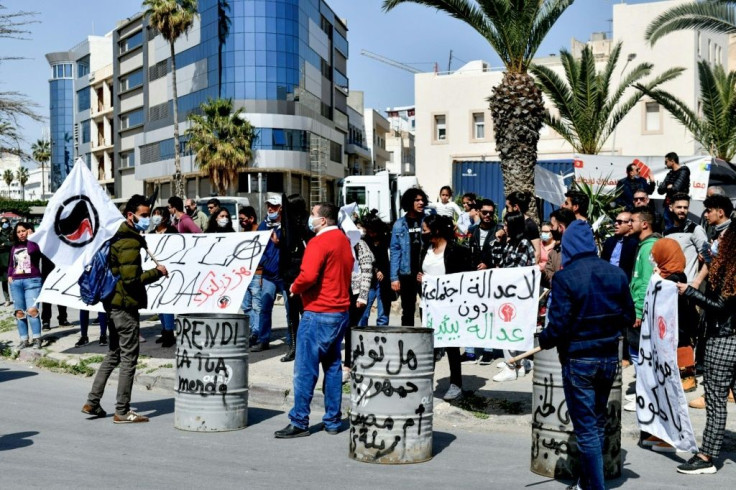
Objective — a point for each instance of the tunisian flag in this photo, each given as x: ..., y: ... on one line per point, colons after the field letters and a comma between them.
x: 79, y: 218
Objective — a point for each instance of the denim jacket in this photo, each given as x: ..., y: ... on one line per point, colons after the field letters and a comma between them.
x: 400, y: 250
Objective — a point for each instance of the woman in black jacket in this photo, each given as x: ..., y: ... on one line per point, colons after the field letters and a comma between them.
x: 442, y: 255
x: 719, y: 303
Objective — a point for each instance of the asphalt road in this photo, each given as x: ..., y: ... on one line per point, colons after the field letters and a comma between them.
x: 45, y: 441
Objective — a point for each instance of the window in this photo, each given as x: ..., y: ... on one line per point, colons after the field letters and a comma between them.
x: 62, y: 70
x: 131, y: 42
x: 83, y: 99
x: 158, y: 70
x: 440, y: 130
x: 82, y: 68
x: 652, y: 117
x: 131, y: 80
x: 85, y: 131
x: 355, y: 194
x: 132, y: 118
x: 335, y: 152
x: 279, y: 139
x: 479, y: 126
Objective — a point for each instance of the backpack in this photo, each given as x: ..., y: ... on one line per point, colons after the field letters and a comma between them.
x: 97, y: 282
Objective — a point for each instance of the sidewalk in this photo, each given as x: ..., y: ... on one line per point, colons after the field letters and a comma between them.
x: 487, y: 405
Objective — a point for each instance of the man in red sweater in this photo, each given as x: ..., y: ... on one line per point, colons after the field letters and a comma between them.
x: 324, y: 285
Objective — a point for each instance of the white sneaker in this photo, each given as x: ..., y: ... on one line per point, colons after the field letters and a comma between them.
x: 630, y: 398
x: 501, y: 364
x: 506, y: 374
x: 521, y: 371
x: 453, y: 393
x: 630, y: 406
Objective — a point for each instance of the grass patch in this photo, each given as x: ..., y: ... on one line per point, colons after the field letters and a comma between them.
x: 7, y: 324
x: 82, y: 369
x: 346, y: 388
x: 167, y: 366
x: 7, y: 351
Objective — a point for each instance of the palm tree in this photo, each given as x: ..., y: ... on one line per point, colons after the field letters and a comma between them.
x: 713, y: 15
x: 22, y: 176
x: 514, y: 29
x: 223, y: 29
x: 41, y: 151
x: 715, y: 130
x: 172, y: 18
x: 8, y: 177
x: 589, y: 107
x: 221, y: 142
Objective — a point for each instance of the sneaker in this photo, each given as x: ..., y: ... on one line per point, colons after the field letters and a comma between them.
x: 689, y: 384
x: 260, y: 347
x: 501, y: 364
x: 82, y: 341
x: 65, y: 323
x: 468, y: 359
x: 630, y: 406
x: 129, y: 418
x: 697, y: 466
x: 453, y: 393
x: 663, y: 447
x: 485, y: 359
x: 94, y: 410
x: 521, y: 371
x: 103, y: 339
x: 46, y: 326
x: 37, y: 343
x: 24, y: 344
x: 698, y: 403
x: 651, y: 441
x: 507, y: 374
x: 630, y: 398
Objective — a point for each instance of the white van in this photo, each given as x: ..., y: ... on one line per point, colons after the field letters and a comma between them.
x: 381, y: 191
x: 232, y: 204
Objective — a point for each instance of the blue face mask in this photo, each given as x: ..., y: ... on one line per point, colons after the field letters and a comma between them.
x: 142, y: 223
x: 272, y: 216
x: 6, y: 226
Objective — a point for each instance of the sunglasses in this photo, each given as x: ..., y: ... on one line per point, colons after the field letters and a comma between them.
x: 486, y: 213
x: 622, y: 221
x: 639, y: 198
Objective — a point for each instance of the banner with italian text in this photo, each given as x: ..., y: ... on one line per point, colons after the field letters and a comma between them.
x: 492, y: 308
x: 208, y: 273
x: 661, y: 407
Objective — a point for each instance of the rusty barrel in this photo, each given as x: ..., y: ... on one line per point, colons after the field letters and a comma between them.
x: 392, y: 378
x: 211, y: 372
x: 554, y: 446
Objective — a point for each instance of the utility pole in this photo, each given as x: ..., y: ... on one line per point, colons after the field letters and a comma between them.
x: 449, y: 63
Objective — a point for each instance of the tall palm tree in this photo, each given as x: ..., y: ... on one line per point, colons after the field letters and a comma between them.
x: 221, y: 142
x: 712, y: 15
x: 223, y: 29
x: 589, y: 106
x: 715, y: 129
x: 41, y: 151
x: 22, y: 176
x: 8, y: 177
x: 173, y: 18
x: 514, y: 29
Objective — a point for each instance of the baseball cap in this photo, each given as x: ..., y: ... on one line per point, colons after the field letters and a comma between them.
x: 274, y: 200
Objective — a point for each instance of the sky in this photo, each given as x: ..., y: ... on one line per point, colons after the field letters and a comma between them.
x: 410, y: 34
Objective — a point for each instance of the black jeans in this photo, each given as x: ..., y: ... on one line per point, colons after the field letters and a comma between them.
x: 46, y: 313
x: 409, y: 290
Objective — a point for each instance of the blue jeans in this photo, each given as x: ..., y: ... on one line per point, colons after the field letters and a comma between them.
x: 587, y: 383
x: 252, y: 305
x: 268, y: 296
x: 25, y: 292
x: 318, y: 342
x: 167, y: 321
x: 84, y: 323
x: 374, y: 294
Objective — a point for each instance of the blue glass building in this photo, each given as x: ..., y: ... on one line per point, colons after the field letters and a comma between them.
x: 61, y: 105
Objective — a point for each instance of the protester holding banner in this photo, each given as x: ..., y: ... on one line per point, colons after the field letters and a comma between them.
x: 24, y: 276
x: 442, y: 255
x: 512, y: 250
x: 122, y: 310
x: 719, y: 303
x: 589, y: 308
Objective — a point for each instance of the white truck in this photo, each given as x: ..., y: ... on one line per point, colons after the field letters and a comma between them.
x: 381, y: 191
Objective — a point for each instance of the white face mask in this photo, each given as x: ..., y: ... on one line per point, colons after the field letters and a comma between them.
x: 222, y: 222
x: 156, y: 220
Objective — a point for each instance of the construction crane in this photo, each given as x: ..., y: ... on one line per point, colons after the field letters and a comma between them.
x: 388, y: 61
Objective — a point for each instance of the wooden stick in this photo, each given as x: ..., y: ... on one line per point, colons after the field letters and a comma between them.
x: 152, y: 257
x: 524, y: 355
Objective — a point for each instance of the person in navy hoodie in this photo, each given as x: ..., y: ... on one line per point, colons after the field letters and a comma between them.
x: 589, y: 309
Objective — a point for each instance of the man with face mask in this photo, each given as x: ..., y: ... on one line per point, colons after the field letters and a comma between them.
x: 560, y: 219
x: 268, y: 274
x: 122, y: 311
x: 6, y: 243
x: 198, y: 216
x: 182, y: 221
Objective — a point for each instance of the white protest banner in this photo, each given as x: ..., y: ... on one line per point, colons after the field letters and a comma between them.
x: 78, y: 219
x: 208, y: 273
x: 493, y: 308
x: 661, y: 407
x: 606, y: 170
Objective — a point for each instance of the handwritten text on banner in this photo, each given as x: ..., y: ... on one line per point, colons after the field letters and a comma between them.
x: 661, y: 407
x: 208, y: 273
x: 493, y: 308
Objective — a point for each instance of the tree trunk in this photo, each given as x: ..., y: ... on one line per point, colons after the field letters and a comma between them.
x: 517, y: 110
x: 178, y: 181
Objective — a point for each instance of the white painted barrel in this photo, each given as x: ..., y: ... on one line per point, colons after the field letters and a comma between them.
x: 211, y: 373
x: 391, y: 395
x: 554, y: 446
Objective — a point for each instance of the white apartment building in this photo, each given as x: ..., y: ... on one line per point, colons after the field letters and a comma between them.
x: 359, y: 155
x: 401, y: 153
x: 376, y: 129
x: 453, y: 122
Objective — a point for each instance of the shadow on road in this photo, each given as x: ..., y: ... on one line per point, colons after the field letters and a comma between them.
x: 256, y: 415
x: 10, y: 375
x: 17, y: 440
x: 157, y: 407
x: 441, y: 441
